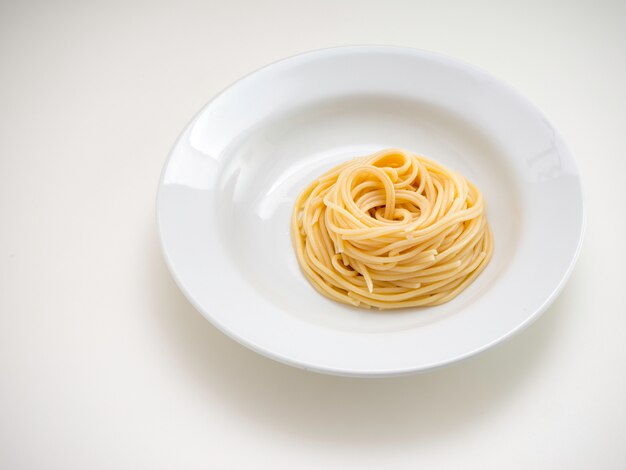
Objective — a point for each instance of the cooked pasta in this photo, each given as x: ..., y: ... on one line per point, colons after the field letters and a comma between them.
x: 391, y: 230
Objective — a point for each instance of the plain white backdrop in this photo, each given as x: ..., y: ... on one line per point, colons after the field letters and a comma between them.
x: 104, y: 364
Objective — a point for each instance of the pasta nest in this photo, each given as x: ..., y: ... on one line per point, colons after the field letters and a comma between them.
x: 391, y: 230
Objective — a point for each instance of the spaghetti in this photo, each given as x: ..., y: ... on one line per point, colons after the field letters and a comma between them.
x: 391, y: 230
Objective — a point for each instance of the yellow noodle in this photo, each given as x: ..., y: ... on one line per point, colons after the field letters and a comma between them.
x: 391, y: 230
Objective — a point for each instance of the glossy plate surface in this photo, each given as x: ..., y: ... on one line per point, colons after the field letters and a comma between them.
x: 227, y: 191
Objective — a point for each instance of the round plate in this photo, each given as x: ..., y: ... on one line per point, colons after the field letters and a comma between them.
x: 228, y: 188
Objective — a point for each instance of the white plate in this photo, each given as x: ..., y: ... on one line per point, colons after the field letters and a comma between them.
x: 227, y: 190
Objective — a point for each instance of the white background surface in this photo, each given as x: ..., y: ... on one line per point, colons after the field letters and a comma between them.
x: 104, y: 364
